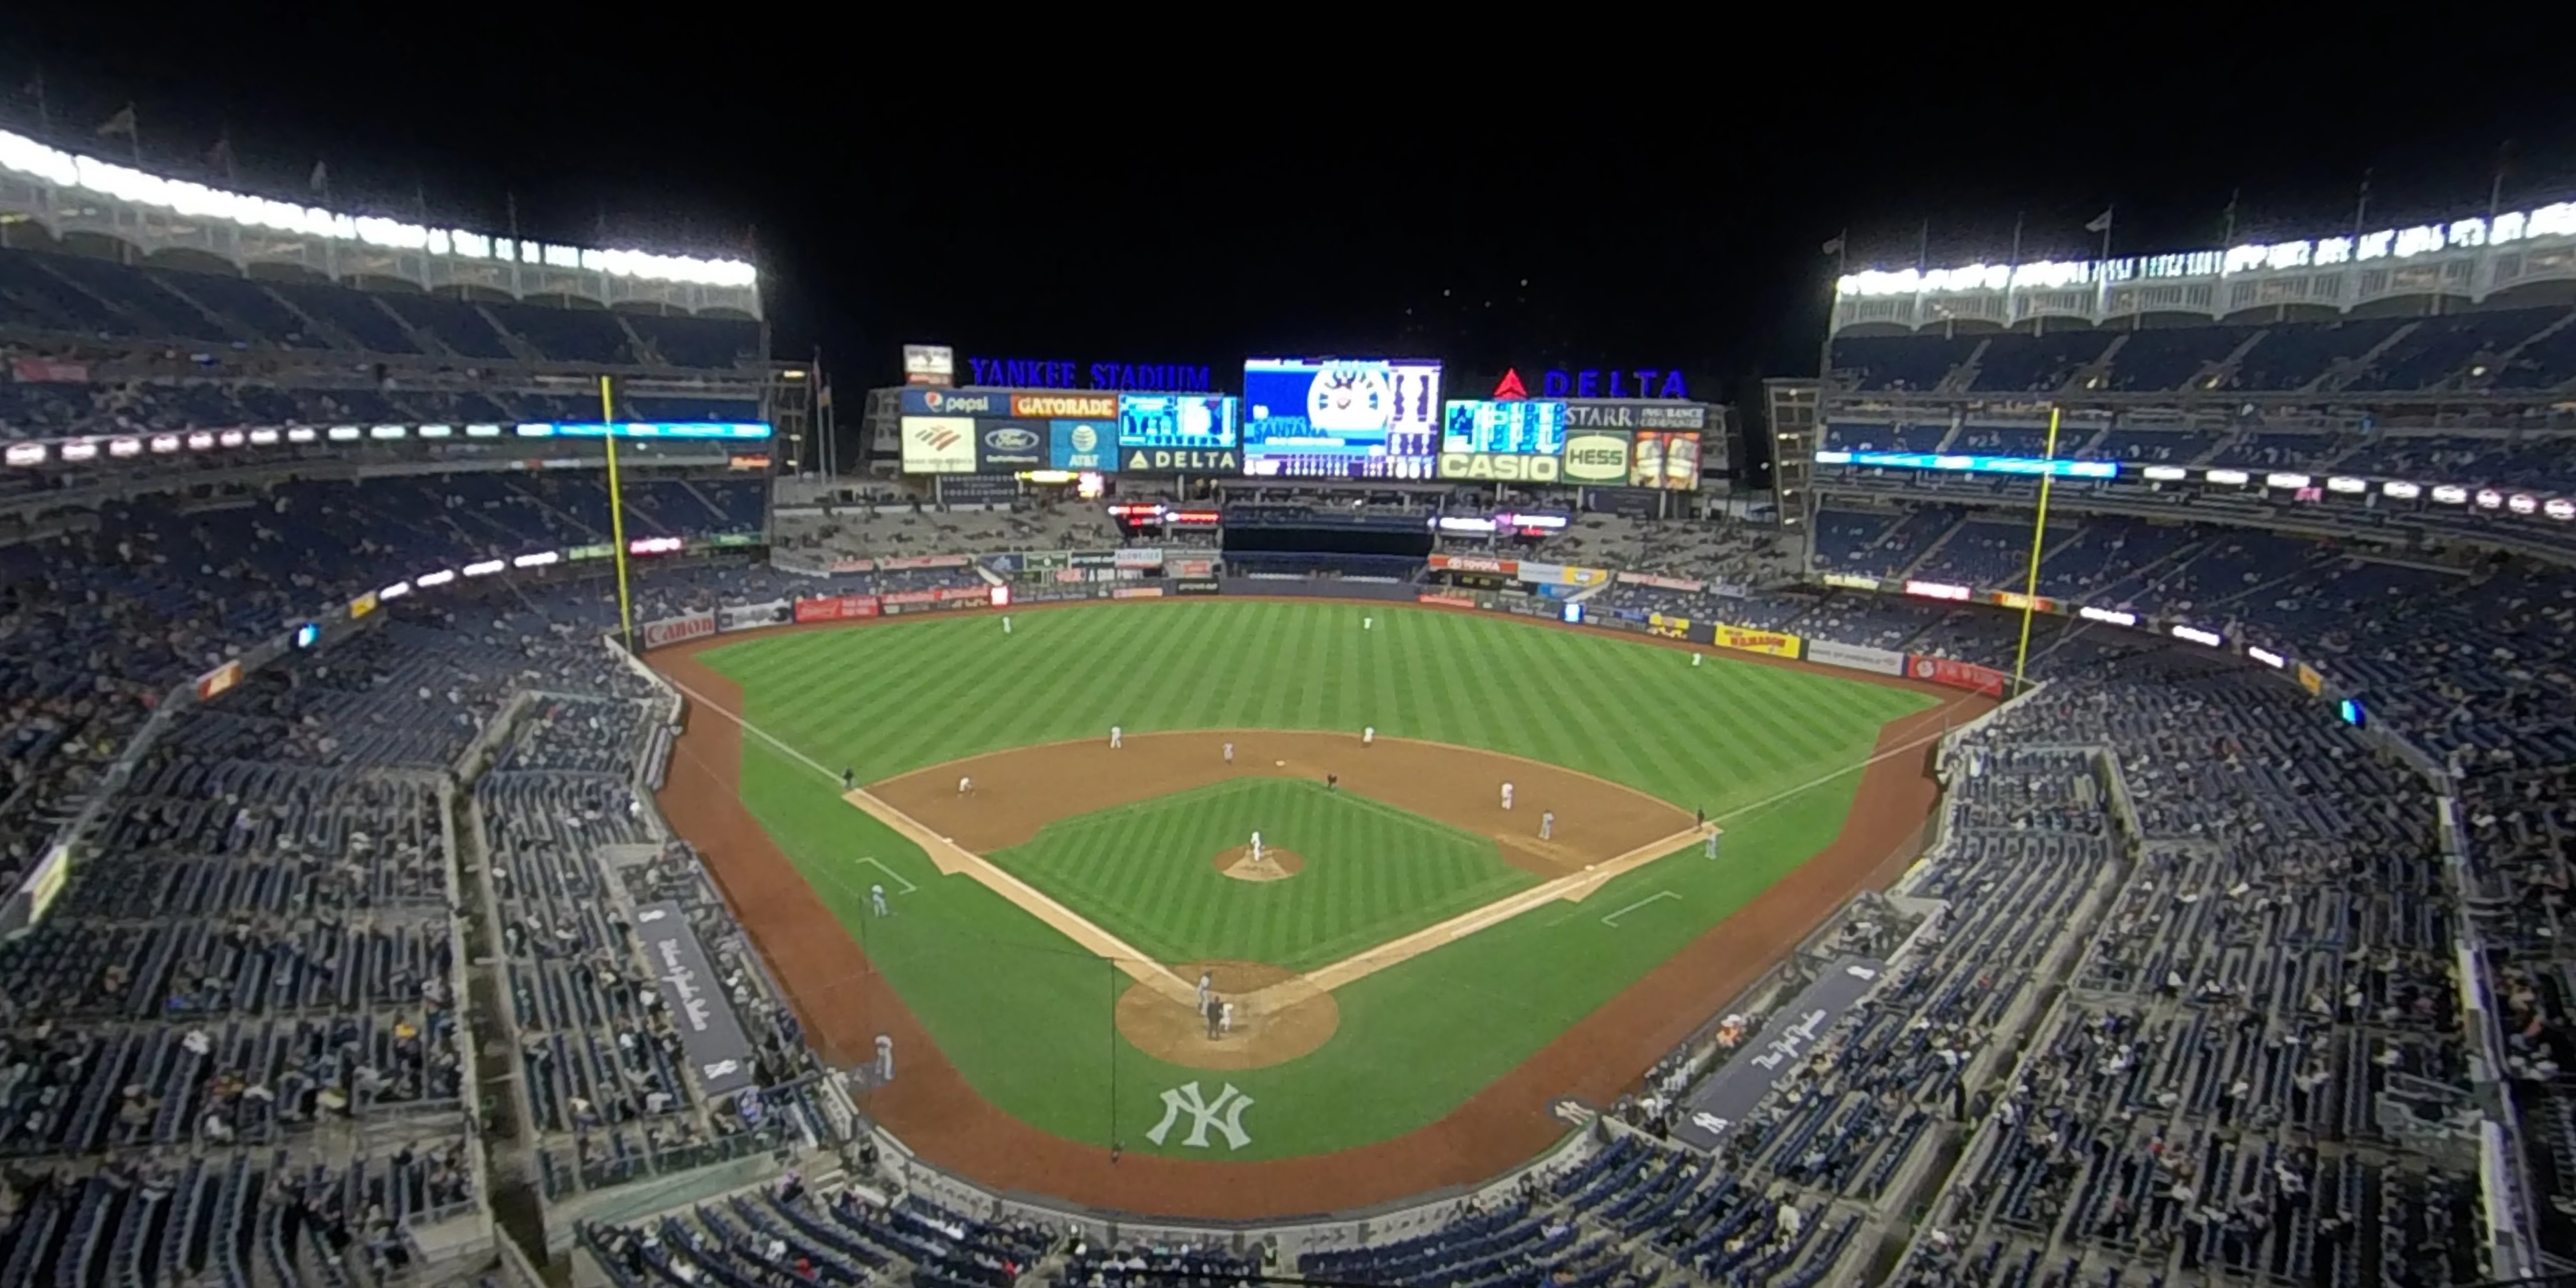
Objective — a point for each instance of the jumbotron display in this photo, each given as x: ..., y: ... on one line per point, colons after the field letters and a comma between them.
x: 1341, y: 418
x: 1516, y: 428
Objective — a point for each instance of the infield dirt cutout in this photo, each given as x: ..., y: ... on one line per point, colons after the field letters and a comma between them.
x: 1278, y: 1016
x: 1601, y: 830
x: 1276, y: 864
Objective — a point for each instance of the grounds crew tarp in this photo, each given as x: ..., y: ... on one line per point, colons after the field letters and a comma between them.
x: 709, y: 1030
x: 1722, y: 1103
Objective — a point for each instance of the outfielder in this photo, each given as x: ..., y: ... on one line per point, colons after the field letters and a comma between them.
x: 965, y: 785
x: 876, y: 900
x: 1117, y: 737
x: 1368, y: 623
x: 1695, y: 657
x: 1547, y: 825
x: 1368, y: 736
x: 1006, y: 623
x: 1507, y: 796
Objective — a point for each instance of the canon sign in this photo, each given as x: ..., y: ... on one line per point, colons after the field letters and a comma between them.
x: 1501, y: 469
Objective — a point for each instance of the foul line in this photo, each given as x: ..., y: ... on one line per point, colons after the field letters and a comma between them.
x: 950, y: 858
x: 1613, y: 918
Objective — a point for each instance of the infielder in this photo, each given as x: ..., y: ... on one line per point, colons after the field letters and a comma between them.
x: 876, y: 900
x: 965, y: 785
x: 1207, y: 985
x: 1507, y: 796
x: 1117, y: 737
x: 848, y: 779
x: 1547, y: 825
x: 1229, y: 753
x: 1712, y: 845
x: 1368, y: 736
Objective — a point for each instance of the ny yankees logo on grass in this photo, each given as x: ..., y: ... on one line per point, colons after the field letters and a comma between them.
x: 1225, y: 1113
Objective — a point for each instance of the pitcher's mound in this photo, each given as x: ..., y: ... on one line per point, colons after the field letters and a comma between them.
x: 1278, y: 1017
x: 1276, y: 865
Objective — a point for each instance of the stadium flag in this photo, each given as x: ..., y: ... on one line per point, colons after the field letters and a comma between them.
x: 1835, y: 245
x: 220, y: 157
x: 320, y: 181
x: 2100, y: 223
x: 123, y: 123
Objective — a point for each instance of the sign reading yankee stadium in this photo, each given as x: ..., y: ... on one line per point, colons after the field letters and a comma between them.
x: 1631, y: 413
x: 1055, y: 373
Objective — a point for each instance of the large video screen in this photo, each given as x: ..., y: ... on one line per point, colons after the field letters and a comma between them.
x: 1195, y: 422
x: 1664, y: 460
x: 1341, y: 418
x: 1513, y: 428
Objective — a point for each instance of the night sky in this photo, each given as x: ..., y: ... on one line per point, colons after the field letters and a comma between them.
x: 1641, y: 201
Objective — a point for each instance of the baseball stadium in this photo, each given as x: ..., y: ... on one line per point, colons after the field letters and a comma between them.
x: 508, y: 785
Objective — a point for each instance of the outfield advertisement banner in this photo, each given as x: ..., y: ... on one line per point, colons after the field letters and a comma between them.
x: 1475, y: 563
x: 1137, y: 592
x: 1784, y: 1046
x: 754, y: 616
x: 693, y: 994
x: 1852, y: 657
x: 1546, y: 574
x: 836, y: 608
x: 926, y: 561
x: 854, y: 565
x: 943, y: 595
x: 1197, y: 586
x: 1137, y: 559
x: 1683, y: 585
x: 673, y: 630
x: 1190, y: 567
x: 1449, y: 601
x: 1956, y: 674
x: 1679, y: 628
x: 1769, y: 643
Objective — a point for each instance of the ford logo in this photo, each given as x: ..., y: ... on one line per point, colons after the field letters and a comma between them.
x: 1011, y: 439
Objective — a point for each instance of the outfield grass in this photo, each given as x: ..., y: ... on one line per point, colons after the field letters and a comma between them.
x: 1026, y: 1015
x: 1373, y: 873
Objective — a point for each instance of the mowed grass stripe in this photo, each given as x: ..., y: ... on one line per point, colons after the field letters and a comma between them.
x: 899, y: 696
x: 1144, y: 872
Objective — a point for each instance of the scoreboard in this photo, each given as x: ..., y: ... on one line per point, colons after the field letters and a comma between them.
x: 1514, y: 428
x: 1191, y: 422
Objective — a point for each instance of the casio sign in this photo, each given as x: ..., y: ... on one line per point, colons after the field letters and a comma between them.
x: 1501, y: 469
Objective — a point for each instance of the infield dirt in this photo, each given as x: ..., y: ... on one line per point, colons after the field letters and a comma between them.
x: 844, y: 1003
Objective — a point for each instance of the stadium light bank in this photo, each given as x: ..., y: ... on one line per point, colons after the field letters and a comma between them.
x: 49, y: 165
x: 2552, y: 221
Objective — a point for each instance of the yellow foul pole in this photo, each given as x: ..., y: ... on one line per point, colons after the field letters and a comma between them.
x: 617, y: 515
x: 2038, y: 541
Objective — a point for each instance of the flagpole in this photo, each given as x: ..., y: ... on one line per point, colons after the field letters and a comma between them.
x: 617, y: 514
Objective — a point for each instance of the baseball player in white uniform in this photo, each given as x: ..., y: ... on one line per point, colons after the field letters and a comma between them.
x: 1507, y: 796
x: 1368, y: 623
x: 1695, y: 657
x: 1368, y: 736
x: 885, y: 1059
x: 1256, y: 847
x: 1229, y: 753
x: 965, y: 785
x: 1117, y: 737
x: 1225, y: 1017
x: 1712, y: 845
x: 876, y: 900
x: 1547, y: 825
x: 1207, y: 984
x: 1006, y: 623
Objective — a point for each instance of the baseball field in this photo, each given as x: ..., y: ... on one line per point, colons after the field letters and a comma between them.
x: 1031, y: 915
